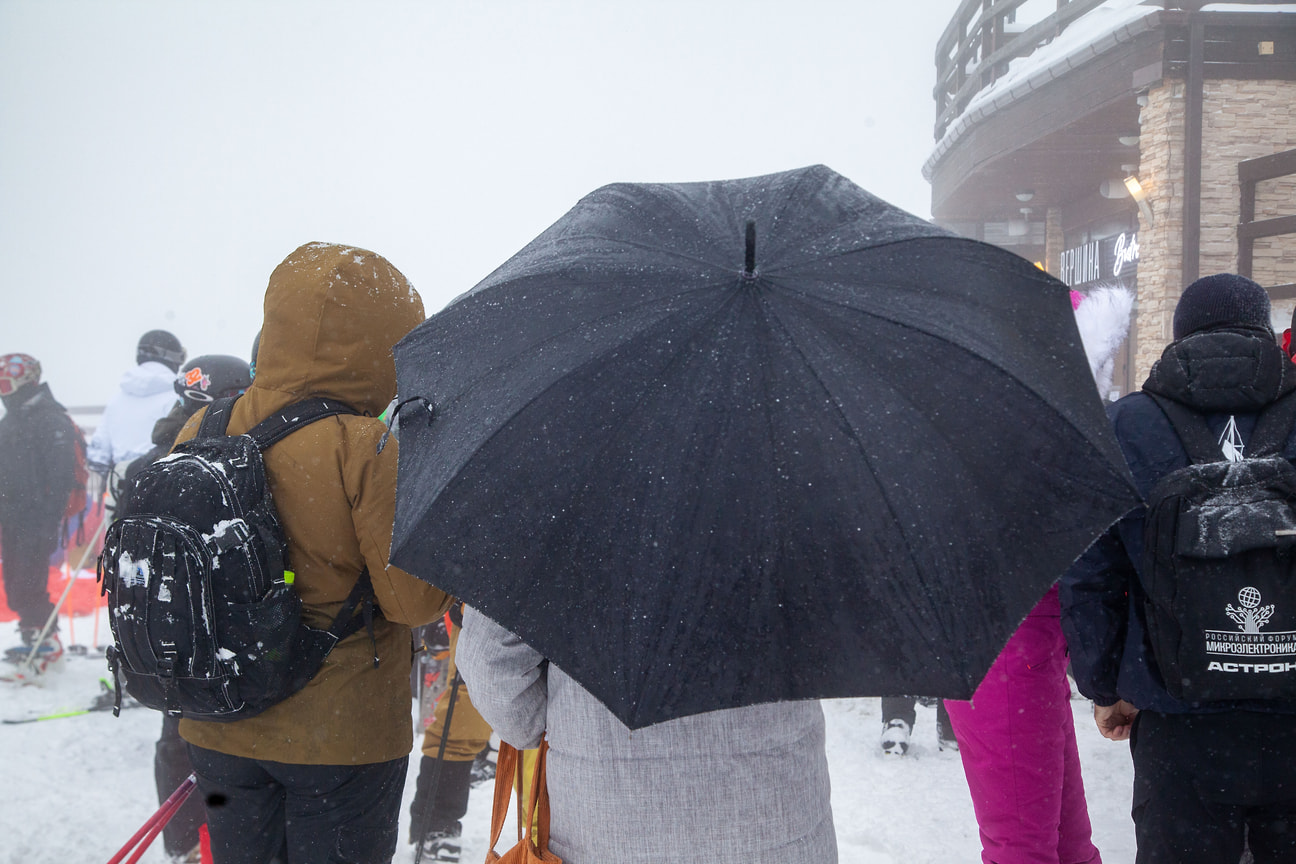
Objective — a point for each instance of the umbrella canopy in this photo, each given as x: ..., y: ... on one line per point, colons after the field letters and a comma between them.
x: 707, y: 445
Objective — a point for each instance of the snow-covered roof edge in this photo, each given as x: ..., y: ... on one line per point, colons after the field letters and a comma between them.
x: 1088, y: 37
x: 1034, y: 75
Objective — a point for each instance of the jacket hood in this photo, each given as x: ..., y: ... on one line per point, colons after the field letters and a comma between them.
x: 332, y: 315
x: 28, y: 397
x: 148, y: 379
x: 1237, y: 371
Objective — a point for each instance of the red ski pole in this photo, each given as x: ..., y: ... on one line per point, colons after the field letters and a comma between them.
x: 154, y: 824
x: 154, y: 831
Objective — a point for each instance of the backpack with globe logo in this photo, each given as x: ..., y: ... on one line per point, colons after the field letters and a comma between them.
x: 1219, y: 561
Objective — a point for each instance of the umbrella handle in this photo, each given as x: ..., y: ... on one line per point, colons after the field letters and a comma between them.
x: 749, y: 262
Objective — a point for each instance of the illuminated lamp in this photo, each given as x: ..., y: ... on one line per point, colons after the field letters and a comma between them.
x: 1139, y: 194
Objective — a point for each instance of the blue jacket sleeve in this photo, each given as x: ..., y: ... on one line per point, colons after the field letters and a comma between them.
x: 1094, y: 594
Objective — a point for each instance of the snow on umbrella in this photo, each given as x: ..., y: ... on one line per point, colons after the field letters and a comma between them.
x: 706, y: 445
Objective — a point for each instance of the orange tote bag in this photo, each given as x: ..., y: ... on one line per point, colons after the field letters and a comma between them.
x: 532, y: 845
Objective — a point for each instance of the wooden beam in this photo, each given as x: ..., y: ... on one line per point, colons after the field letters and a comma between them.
x: 1267, y: 168
x: 1282, y: 292
x: 1191, y: 261
x: 1275, y: 227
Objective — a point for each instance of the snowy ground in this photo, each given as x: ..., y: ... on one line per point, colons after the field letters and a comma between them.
x: 77, y: 788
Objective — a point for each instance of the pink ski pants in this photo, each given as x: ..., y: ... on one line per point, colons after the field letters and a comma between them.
x: 1018, y: 744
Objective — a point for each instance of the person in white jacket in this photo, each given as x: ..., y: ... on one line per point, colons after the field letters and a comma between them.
x: 147, y: 393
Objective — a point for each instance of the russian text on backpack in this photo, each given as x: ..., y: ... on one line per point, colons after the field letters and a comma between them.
x: 1219, y: 563
x: 204, y: 622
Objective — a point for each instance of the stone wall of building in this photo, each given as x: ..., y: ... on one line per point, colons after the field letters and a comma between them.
x: 1241, y: 120
x: 1161, y: 171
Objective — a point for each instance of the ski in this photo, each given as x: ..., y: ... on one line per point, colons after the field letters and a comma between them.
x: 103, y: 702
x: 55, y: 716
x: 76, y: 712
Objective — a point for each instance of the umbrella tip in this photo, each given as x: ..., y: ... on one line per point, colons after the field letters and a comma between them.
x: 749, y: 268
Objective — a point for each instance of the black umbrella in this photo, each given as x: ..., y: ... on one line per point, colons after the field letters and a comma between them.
x: 706, y: 445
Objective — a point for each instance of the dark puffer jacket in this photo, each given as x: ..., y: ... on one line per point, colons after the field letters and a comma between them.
x: 1222, y: 374
x: 37, y: 458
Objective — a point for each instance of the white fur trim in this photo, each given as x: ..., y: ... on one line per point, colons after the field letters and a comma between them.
x: 1104, y: 318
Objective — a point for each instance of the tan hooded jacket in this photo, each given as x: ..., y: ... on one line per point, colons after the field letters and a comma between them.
x: 332, y: 315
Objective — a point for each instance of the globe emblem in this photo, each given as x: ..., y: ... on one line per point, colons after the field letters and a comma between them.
x: 1249, y: 598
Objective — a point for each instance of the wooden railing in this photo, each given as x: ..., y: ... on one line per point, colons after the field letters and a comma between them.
x: 1251, y: 173
x: 978, y: 44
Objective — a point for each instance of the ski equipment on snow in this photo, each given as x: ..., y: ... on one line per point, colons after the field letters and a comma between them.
x: 105, y: 701
x: 1219, y: 561
x: 205, y: 621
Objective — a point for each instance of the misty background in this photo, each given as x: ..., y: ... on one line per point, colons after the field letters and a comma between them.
x: 159, y: 158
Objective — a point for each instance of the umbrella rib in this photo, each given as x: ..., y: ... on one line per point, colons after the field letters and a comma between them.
x: 556, y: 336
x: 855, y: 250
x: 672, y: 363
x: 919, y: 324
x: 687, y: 217
x: 946, y: 338
x: 595, y: 358
x: 801, y: 180
x: 648, y: 247
x: 859, y: 444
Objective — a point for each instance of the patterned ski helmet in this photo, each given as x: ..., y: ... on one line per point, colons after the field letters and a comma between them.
x: 212, y: 376
x: 17, y: 370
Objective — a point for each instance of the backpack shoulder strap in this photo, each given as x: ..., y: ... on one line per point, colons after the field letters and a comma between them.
x: 295, y: 416
x: 1193, y: 431
x: 1274, y: 426
x: 216, y: 419
x: 358, y: 610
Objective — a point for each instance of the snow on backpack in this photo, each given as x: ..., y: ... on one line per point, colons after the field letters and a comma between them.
x: 205, y: 621
x: 1219, y: 561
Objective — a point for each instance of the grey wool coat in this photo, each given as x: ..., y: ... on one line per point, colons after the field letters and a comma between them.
x: 740, y: 785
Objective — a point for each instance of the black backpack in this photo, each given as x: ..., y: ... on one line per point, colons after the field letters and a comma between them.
x: 205, y: 621
x: 1219, y: 563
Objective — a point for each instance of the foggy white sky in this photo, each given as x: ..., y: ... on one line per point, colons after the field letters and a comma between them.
x: 159, y: 158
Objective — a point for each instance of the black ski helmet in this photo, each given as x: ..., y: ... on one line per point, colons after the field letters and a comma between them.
x: 212, y: 376
x: 162, y: 347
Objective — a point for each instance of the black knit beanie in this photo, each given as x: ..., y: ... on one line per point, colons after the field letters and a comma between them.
x: 1222, y: 300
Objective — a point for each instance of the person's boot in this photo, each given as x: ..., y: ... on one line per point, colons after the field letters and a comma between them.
x: 442, y: 845
x: 945, y: 738
x: 483, y: 768
x: 895, y: 738
x: 18, y: 653
x: 50, y: 651
x: 434, y: 820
